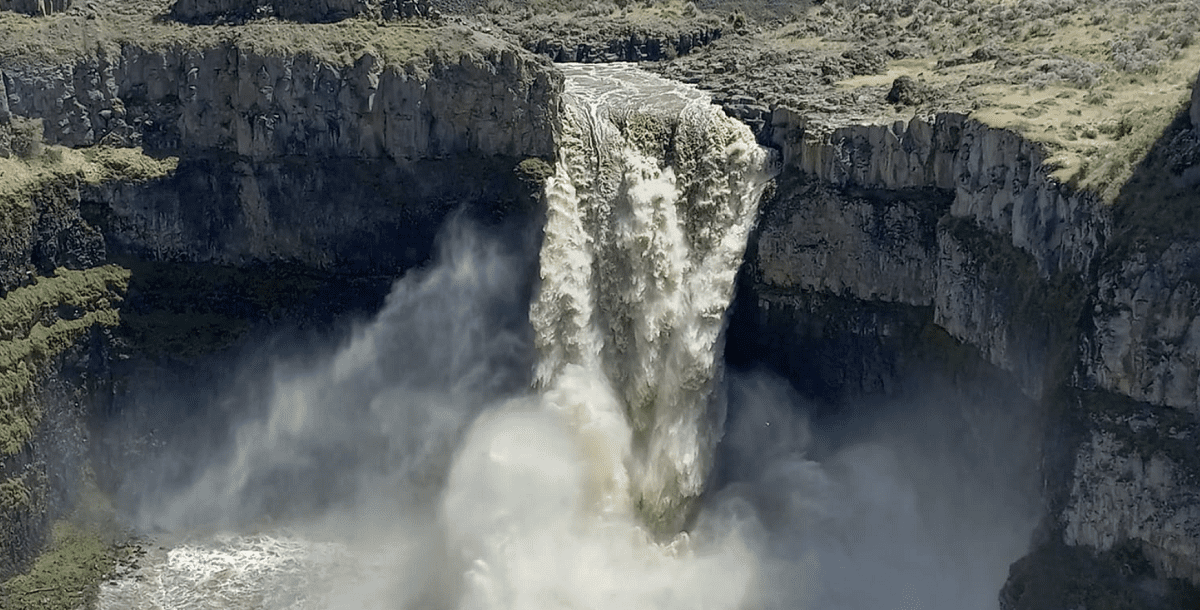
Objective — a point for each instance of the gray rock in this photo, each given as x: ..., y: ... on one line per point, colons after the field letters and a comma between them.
x: 37, y: 8
x: 1196, y: 106
x: 1119, y: 493
x: 304, y: 11
x: 5, y: 115
x: 908, y: 92
x: 5, y: 122
x: 225, y: 98
x: 819, y: 238
x: 1146, y: 338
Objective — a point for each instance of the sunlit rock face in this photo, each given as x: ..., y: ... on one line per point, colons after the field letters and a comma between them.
x: 1196, y: 106
x: 230, y: 99
x: 35, y: 7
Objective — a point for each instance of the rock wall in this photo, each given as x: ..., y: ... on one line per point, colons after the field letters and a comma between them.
x: 947, y: 213
x: 229, y: 99
x: 623, y: 45
x: 305, y: 11
x: 937, y: 182
x: 54, y: 334
x: 855, y: 244
x: 1122, y: 492
x: 1146, y: 342
x: 999, y: 178
x: 36, y: 8
x: 346, y: 167
x: 341, y: 215
x: 1195, y: 111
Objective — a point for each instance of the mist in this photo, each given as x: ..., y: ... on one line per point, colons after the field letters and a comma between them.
x: 408, y: 464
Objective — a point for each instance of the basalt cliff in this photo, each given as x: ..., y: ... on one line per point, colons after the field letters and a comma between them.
x: 1002, y: 211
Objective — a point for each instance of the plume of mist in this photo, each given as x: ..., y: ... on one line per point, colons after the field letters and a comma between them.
x: 410, y: 466
x: 918, y: 502
x: 381, y: 412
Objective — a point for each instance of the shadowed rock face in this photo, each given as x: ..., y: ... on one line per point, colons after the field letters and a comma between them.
x: 304, y: 11
x: 35, y: 7
x: 1196, y: 107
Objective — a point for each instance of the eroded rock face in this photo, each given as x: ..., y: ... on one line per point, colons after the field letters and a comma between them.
x: 5, y: 121
x: 998, y: 177
x: 1122, y: 493
x: 1196, y: 106
x: 1146, y: 343
x: 35, y: 7
x: 228, y: 99
x: 817, y: 238
x: 1004, y: 186
x: 304, y: 11
x: 1024, y: 270
x: 919, y: 153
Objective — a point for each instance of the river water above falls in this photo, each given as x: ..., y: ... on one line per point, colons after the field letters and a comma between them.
x: 491, y: 440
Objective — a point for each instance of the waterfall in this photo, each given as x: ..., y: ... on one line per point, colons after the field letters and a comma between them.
x: 648, y: 212
x: 414, y: 466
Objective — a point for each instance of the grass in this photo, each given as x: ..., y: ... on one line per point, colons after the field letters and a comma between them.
x: 32, y: 333
x: 1095, y: 83
x: 68, y: 37
x: 20, y: 178
x: 68, y: 575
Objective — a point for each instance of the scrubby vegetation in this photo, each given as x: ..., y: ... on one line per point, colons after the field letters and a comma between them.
x: 146, y: 24
x: 68, y: 575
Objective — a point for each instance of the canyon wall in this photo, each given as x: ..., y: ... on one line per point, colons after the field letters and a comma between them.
x: 945, y: 221
x: 243, y: 178
x: 881, y: 240
x: 295, y: 158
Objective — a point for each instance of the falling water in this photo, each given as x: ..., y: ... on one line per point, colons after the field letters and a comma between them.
x: 495, y: 440
x: 647, y: 218
x: 546, y: 499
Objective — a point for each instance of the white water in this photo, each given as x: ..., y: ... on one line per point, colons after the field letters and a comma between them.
x: 455, y: 453
x: 648, y: 214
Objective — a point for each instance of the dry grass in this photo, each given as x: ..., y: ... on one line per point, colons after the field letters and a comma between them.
x: 1095, y: 82
x: 69, y: 36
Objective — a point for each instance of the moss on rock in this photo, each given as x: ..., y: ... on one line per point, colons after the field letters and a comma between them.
x: 37, y: 323
x: 67, y: 576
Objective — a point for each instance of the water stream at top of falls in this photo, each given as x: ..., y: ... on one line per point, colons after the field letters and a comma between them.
x: 450, y: 488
